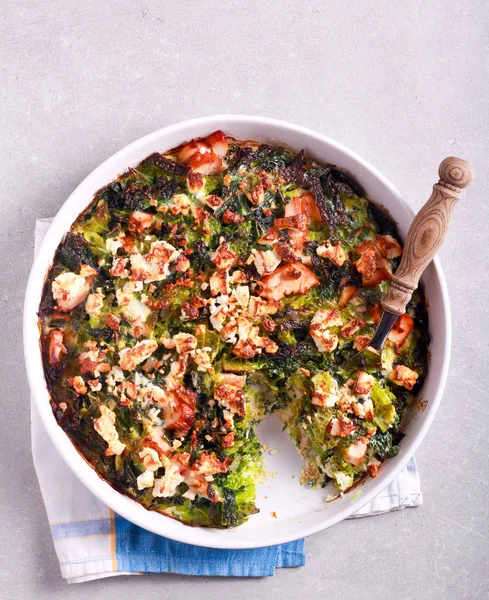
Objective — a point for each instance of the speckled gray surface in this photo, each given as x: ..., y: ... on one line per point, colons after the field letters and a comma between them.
x: 404, y: 85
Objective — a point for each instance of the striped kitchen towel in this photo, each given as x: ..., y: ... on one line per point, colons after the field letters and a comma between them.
x: 92, y: 542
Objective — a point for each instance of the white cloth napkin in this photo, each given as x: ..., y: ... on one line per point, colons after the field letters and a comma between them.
x: 86, y: 534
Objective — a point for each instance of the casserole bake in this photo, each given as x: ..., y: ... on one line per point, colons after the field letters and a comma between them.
x: 211, y: 286
x: 339, y: 162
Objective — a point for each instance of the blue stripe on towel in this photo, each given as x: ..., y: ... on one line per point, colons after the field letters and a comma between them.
x: 139, y: 550
x: 63, y: 531
x: 411, y: 466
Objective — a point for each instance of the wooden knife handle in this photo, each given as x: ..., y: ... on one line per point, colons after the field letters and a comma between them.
x: 427, y: 232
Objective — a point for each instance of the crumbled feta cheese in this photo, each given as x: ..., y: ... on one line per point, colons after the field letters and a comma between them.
x: 242, y: 295
x: 69, y: 290
x: 217, y: 319
x: 259, y: 307
x: 105, y: 427
x: 151, y: 394
x: 325, y: 340
x: 113, y: 244
x: 190, y: 494
x: 87, y: 271
x: 223, y: 257
x: 237, y: 277
x: 95, y: 303
x: 154, y: 416
x: 139, y: 379
x: 117, y: 373
x: 150, y: 458
x: 145, y: 480
x: 133, y: 286
x: 329, y: 317
x: 363, y: 384
x: 129, y: 358
x: 368, y: 410
x: 203, y: 360
x: 325, y: 393
x: 319, y: 329
x: 212, y: 201
x: 155, y: 265
x: 229, y: 392
x: 228, y: 418
x: 137, y: 310
x: 119, y: 268
x: 166, y: 486
x: 335, y: 253
x: 95, y: 385
x: 402, y: 375
x: 184, y: 343
x: 180, y: 205
x: 79, y: 385
x: 266, y: 261
x: 219, y: 283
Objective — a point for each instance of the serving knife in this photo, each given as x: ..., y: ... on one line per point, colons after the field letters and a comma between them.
x: 424, y: 238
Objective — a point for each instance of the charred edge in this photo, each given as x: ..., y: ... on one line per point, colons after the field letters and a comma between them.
x: 166, y: 164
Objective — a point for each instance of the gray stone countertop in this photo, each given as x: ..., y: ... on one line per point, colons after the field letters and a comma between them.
x: 404, y: 85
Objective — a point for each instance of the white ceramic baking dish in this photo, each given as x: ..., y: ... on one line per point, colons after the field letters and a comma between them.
x: 288, y: 511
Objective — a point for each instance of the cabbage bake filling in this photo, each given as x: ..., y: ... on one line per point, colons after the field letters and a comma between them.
x: 207, y: 288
